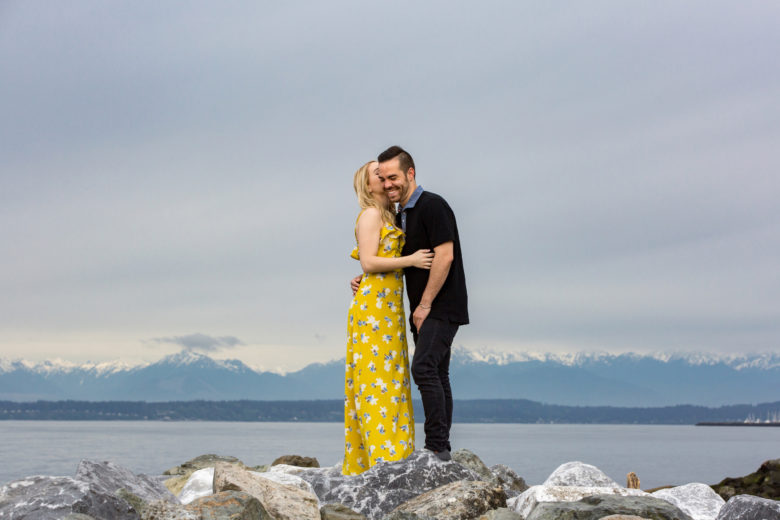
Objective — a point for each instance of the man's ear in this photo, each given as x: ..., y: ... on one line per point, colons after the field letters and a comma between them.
x: 410, y: 172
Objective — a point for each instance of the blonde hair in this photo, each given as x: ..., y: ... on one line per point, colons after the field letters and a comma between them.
x: 365, y: 199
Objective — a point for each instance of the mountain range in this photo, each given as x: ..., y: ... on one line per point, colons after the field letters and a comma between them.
x: 583, y: 379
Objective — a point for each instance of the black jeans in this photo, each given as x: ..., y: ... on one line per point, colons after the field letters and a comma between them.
x: 431, y: 372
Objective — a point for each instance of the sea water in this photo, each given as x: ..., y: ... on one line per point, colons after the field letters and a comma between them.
x: 659, y: 455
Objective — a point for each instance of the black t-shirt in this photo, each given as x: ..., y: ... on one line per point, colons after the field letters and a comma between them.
x: 430, y: 223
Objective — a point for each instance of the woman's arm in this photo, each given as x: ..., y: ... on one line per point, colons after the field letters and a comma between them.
x: 369, y: 227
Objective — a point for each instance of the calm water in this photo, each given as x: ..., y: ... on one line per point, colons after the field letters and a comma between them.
x: 660, y: 455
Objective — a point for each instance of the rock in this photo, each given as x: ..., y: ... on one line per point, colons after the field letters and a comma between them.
x: 763, y: 483
x: 339, y: 512
x: 229, y: 505
x: 632, y: 481
x: 512, y: 483
x: 455, y: 501
x: 297, y: 460
x: 385, y: 486
x: 623, y: 517
x: 281, y: 501
x: 176, y: 484
x: 747, y: 507
x: 45, y: 498
x: 112, y: 477
x: 502, y: 513
x: 287, y: 479
x: 598, y: 506
x: 160, y: 510
x: 471, y: 461
x: 579, y: 474
x: 498, y: 475
x: 78, y: 516
x: 200, y: 484
x: 535, y: 495
x: 698, y: 500
x: 203, y: 461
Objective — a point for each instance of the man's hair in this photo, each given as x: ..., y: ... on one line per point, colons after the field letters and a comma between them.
x: 405, y: 160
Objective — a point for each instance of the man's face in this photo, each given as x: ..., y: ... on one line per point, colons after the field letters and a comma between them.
x: 397, y: 184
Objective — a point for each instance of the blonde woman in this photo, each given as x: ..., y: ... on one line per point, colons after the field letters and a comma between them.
x: 378, y: 415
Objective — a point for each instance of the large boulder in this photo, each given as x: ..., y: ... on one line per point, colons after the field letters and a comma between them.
x: 385, y: 486
x: 182, y: 473
x: 512, y: 483
x: 52, y: 498
x: 535, y: 495
x: 498, y: 475
x: 297, y: 460
x: 763, y: 483
x: 229, y: 505
x: 339, y: 512
x: 281, y: 501
x: 598, y: 506
x: 698, y: 500
x: 502, y: 513
x: 748, y: 507
x: 200, y: 484
x: 111, y: 478
x: 579, y: 474
x: 455, y: 501
x: 203, y: 461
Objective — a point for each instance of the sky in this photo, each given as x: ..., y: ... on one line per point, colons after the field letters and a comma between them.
x: 179, y: 174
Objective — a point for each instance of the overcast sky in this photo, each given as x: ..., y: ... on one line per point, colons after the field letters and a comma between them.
x: 179, y: 174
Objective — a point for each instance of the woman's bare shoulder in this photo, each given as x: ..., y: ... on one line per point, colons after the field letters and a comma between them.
x: 370, y: 215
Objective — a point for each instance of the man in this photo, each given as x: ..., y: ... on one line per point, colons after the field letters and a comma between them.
x: 437, y: 298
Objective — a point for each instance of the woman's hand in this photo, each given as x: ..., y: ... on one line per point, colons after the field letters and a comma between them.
x: 422, y: 258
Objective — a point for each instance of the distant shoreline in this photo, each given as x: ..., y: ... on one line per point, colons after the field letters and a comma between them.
x: 508, y: 411
x: 737, y: 424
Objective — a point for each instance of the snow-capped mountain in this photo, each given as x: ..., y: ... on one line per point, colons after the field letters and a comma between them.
x: 593, y: 378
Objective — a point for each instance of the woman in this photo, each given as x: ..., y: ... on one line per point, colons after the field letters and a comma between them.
x: 378, y: 416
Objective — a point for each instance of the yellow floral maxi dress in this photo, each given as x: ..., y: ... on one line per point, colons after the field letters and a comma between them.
x: 378, y: 416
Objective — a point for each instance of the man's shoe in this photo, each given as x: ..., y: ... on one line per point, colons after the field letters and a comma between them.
x: 443, y: 455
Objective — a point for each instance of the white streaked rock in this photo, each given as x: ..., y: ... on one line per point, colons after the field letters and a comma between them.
x: 200, y: 484
x: 528, y: 500
x: 579, y: 474
x: 697, y: 500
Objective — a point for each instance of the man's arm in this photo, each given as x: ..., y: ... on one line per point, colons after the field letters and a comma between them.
x: 442, y: 260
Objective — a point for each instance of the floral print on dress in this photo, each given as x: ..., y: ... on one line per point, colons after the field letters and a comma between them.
x: 378, y: 415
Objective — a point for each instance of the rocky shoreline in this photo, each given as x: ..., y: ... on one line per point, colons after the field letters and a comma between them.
x: 420, y: 487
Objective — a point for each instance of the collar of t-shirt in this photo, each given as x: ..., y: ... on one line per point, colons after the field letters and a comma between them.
x: 410, y: 204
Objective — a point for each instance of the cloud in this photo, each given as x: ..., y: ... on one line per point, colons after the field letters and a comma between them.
x: 201, y: 342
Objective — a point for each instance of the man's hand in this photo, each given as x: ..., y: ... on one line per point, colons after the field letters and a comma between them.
x: 419, y: 315
x: 355, y: 283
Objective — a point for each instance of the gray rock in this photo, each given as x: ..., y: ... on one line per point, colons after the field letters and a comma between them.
x: 623, y: 517
x: 455, y: 501
x: 78, y: 516
x: 385, y: 486
x: 297, y: 460
x: 111, y: 477
x: 498, y: 475
x: 529, y: 499
x: 698, y: 500
x: 161, y: 510
x: 203, y: 461
x: 50, y: 498
x: 502, y: 513
x: 281, y: 501
x: 229, y: 505
x: 471, y: 461
x: 598, y: 506
x: 339, y: 512
x: 748, y: 507
x: 512, y: 483
x: 579, y: 474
